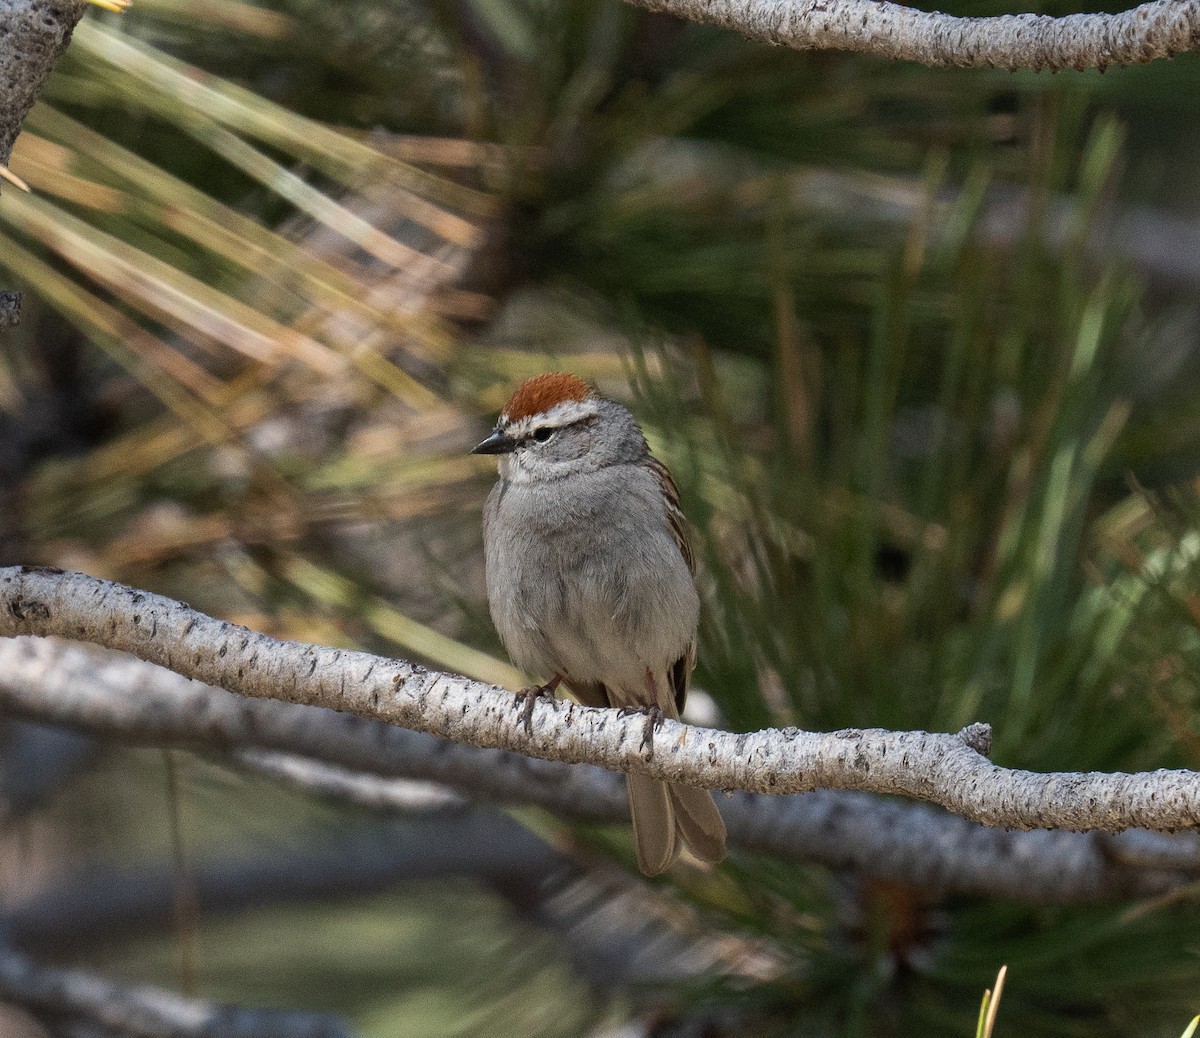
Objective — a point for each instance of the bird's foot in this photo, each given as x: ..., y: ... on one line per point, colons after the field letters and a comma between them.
x: 654, y: 719
x: 530, y: 695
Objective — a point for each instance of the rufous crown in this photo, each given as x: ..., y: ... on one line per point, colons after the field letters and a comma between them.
x: 539, y: 394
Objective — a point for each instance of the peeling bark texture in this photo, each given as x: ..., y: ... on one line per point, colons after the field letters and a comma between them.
x: 144, y: 1012
x: 1032, y: 42
x: 372, y: 764
x: 946, y: 769
x: 33, y: 35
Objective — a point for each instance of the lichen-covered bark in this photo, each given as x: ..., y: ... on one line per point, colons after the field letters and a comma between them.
x: 1018, y: 41
x: 33, y: 35
x: 942, y: 768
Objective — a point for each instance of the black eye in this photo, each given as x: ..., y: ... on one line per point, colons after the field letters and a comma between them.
x: 542, y: 433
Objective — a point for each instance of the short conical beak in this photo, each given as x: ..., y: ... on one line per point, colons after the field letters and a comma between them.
x: 498, y: 443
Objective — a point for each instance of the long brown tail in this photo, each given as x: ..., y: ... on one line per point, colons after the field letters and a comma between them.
x: 664, y: 815
x: 698, y: 822
x: 653, y: 824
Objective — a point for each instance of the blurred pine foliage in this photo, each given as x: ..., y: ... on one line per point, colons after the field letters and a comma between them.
x: 920, y: 346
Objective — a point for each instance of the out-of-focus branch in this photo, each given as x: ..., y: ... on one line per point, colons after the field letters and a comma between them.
x: 1018, y: 41
x: 604, y: 918
x: 949, y: 770
x: 913, y: 843
x: 125, y: 699
x: 143, y: 1012
x: 102, y: 905
x: 1163, y: 247
x: 394, y: 795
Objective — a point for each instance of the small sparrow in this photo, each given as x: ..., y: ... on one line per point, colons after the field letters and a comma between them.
x: 590, y: 580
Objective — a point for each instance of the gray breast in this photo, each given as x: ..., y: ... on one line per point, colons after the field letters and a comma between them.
x: 584, y: 576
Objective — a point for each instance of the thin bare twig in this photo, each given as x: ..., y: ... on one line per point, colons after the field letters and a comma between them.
x: 1034, y: 42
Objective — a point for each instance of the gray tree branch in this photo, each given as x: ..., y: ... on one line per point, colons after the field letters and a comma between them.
x: 948, y: 770
x: 908, y: 842
x: 33, y: 36
x: 1019, y: 41
x: 36, y: 34
x: 361, y: 761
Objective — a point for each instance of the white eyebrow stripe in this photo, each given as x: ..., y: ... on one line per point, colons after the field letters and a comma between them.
x: 568, y: 412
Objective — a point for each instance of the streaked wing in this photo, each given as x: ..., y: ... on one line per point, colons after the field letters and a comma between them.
x: 682, y: 669
x: 675, y: 517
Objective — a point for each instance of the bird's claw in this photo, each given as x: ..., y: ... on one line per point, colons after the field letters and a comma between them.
x: 528, y: 696
x: 654, y: 719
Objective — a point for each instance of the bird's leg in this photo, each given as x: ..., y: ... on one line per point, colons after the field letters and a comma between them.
x: 530, y: 695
